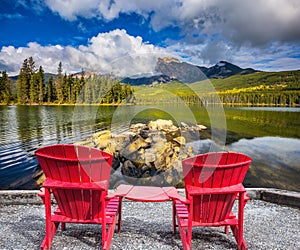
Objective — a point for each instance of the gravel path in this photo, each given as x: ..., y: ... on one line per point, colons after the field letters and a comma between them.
x: 148, y: 226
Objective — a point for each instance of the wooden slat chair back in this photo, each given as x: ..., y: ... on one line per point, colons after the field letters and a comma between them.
x: 213, y: 181
x: 214, y: 170
x: 78, y: 177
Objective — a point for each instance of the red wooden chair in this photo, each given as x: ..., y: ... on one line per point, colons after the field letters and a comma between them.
x: 213, y: 181
x: 78, y: 178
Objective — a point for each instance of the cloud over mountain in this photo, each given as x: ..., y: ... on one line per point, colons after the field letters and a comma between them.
x: 262, y: 34
x: 254, y: 22
x: 113, y: 52
x: 219, y: 29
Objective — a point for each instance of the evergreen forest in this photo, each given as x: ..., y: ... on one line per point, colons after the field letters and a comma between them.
x: 32, y: 88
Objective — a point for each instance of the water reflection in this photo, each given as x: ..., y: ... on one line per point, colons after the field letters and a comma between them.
x: 16, y: 151
x: 257, y: 132
x: 29, y: 126
x: 274, y: 109
x: 275, y: 162
x: 251, y: 122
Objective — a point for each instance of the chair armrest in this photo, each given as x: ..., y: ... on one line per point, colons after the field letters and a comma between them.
x: 192, y: 190
x: 246, y: 197
x: 101, y: 185
x: 180, y: 198
x: 41, y: 193
x: 122, y: 190
x: 174, y: 195
x: 111, y: 196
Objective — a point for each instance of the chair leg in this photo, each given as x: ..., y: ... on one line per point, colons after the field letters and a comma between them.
x: 120, y: 215
x: 174, y: 216
x: 104, y: 236
x: 109, y: 234
x: 184, y: 238
x: 241, y: 243
x: 226, y: 230
x: 238, y: 230
x: 51, y: 227
x: 184, y: 222
x: 50, y: 233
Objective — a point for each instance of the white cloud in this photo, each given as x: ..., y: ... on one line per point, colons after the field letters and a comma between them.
x: 275, y: 57
x: 255, y: 22
x: 124, y: 55
x: 113, y: 52
x: 71, y: 9
x: 211, y: 29
x: 261, y: 34
x: 260, y: 22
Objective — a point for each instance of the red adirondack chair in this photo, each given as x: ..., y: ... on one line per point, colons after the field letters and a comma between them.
x: 78, y: 178
x: 213, y: 181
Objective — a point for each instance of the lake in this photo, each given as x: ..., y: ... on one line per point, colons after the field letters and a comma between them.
x: 271, y: 136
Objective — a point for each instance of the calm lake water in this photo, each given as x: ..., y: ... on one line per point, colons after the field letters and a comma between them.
x: 271, y: 136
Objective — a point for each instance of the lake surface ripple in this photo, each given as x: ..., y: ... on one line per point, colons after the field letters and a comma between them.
x: 271, y: 136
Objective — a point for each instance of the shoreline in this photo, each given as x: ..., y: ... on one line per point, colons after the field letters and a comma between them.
x: 272, y: 195
x: 225, y: 104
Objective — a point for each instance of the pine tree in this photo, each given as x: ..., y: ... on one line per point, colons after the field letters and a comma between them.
x: 41, y: 85
x: 31, y: 66
x: 126, y: 92
x: 116, y: 91
x: 80, y: 89
x: 59, y: 84
x: 33, y: 84
x: 50, y: 91
x: 33, y: 91
x: 65, y: 88
x: 71, y: 93
x: 76, y: 90
x: 88, y: 91
x: 23, y: 83
x: 5, y: 89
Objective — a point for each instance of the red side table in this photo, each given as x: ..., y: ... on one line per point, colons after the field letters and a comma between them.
x: 147, y: 194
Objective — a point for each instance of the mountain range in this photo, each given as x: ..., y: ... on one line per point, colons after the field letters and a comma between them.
x: 169, y: 69
x: 172, y: 69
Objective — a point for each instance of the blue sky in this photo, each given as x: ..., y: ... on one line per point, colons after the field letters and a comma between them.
x: 127, y: 37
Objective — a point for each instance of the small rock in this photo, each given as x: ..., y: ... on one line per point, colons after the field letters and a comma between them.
x: 179, y: 140
x: 136, y: 128
x: 201, y: 127
x: 102, y: 139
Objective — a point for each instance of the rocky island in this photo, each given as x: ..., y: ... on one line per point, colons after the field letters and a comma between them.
x: 147, y: 153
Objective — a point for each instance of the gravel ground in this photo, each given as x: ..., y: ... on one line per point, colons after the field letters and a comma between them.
x: 149, y: 226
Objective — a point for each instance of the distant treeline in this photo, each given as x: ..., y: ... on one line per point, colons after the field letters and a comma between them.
x: 175, y: 92
x: 282, y: 98
x: 31, y: 88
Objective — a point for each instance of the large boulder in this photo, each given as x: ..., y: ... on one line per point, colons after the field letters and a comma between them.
x: 148, y: 153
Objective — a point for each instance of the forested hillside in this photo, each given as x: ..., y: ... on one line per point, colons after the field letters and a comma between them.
x: 261, y: 88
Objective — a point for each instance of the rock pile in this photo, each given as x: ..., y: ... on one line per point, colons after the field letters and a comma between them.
x: 148, y: 154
